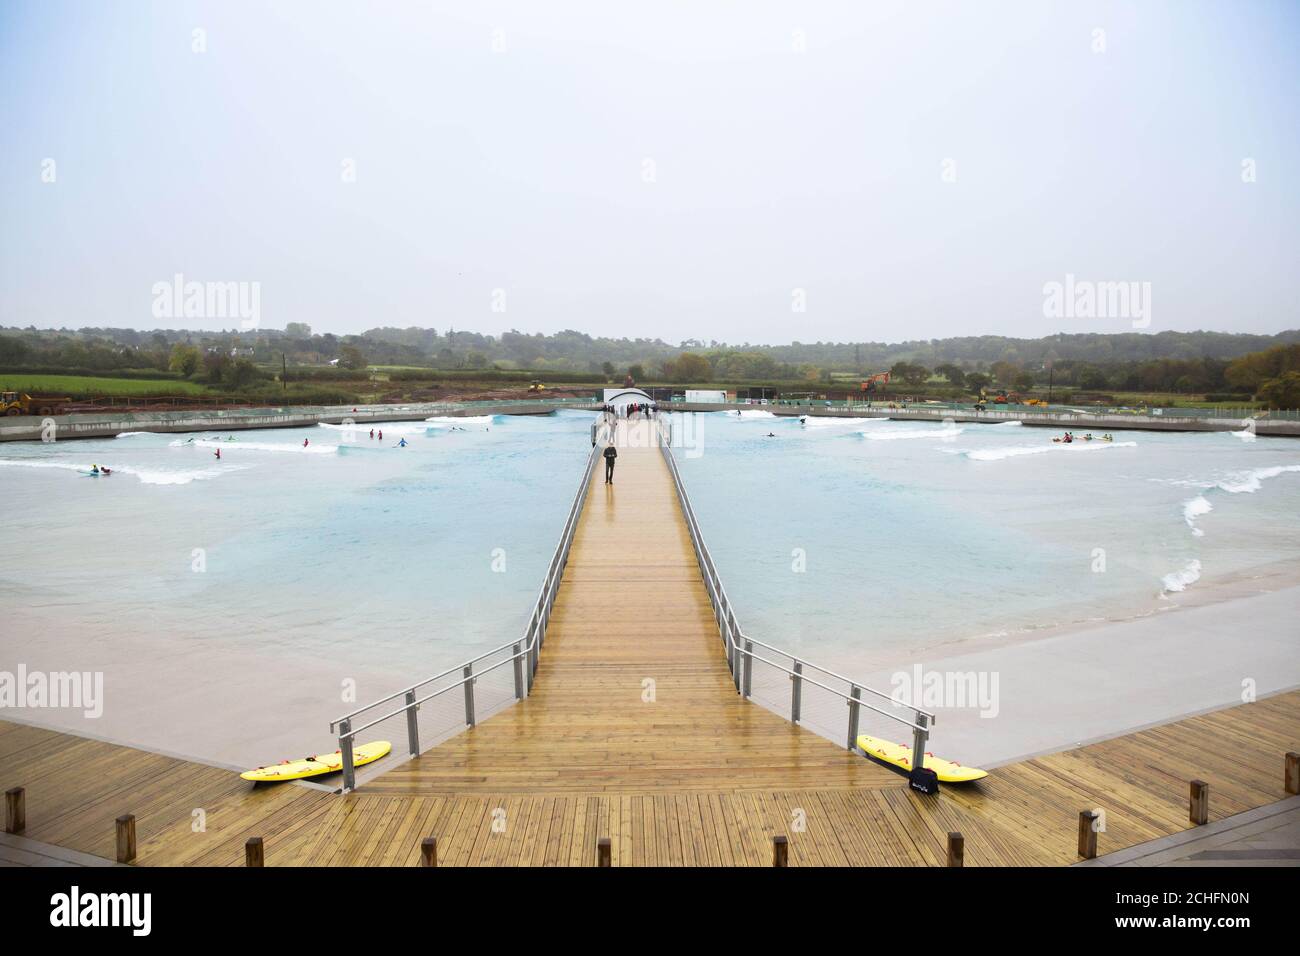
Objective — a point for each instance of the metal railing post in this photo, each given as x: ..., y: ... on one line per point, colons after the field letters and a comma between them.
x: 856, y: 695
x: 345, y: 747
x: 469, y: 694
x: 749, y: 666
x: 519, y: 673
x: 796, y: 692
x: 920, y: 734
x: 412, y: 725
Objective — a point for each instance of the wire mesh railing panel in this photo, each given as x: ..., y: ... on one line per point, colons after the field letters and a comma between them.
x: 771, y: 688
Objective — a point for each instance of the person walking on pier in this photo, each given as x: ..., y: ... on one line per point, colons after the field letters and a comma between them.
x: 610, y: 454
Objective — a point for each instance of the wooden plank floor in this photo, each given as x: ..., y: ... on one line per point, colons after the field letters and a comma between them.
x: 633, y: 692
x: 694, y: 776
x: 1022, y: 814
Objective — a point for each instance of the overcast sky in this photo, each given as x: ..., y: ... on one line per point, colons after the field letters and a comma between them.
x: 676, y: 170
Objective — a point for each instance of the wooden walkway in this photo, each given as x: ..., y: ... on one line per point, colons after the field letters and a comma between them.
x: 633, y: 692
x: 634, y: 732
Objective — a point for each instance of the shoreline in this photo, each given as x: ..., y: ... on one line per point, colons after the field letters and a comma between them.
x: 1058, y: 688
x: 1230, y: 586
x: 1071, y: 685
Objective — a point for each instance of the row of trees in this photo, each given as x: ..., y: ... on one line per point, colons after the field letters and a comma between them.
x: 1090, y: 363
x: 577, y: 351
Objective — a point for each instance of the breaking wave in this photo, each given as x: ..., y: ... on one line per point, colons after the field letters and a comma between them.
x: 146, y: 476
x: 828, y: 422
x: 442, y: 421
x: 363, y: 430
x: 1193, y: 509
x: 241, y: 446
x: 940, y: 433
x: 1015, y: 451
x: 1176, y: 581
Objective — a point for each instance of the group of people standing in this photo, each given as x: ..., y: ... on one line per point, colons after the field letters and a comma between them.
x: 632, y: 410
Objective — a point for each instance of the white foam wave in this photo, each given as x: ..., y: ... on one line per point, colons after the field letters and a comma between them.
x: 146, y: 476
x: 1008, y: 424
x: 1180, y: 580
x: 752, y: 413
x: 827, y: 422
x: 243, y: 446
x: 1235, y: 483
x: 1015, y: 451
x: 363, y: 430
x: 442, y: 421
x: 1193, y: 509
x: 131, y: 434
x: 944, y: 434
x: 1249, y: 482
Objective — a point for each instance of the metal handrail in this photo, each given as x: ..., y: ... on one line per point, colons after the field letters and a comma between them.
x: 740, y: 658
x: 526, y: 649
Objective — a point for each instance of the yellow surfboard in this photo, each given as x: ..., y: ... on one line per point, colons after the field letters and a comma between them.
x: 900, y: 756
x: 315, y: 766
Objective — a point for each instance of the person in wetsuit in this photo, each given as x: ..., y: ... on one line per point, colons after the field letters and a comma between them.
x: 610, y: 454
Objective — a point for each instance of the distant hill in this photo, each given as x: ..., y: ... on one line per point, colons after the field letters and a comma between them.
x: 579, y: 352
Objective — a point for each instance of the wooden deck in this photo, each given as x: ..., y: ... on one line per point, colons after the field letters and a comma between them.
x: 690, y: 774
x: 633, y: 692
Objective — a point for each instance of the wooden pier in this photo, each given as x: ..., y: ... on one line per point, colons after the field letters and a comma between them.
x: 634, y: 732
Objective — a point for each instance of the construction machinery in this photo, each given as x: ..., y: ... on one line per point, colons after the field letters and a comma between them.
x: 870, y: 384
x: 1004, y: 396
x: 14, y: 403
x: 536, y: 386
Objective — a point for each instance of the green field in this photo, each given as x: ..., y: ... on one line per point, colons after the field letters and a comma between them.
x: 85, y: 386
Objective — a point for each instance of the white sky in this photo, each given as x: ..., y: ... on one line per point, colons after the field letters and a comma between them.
x: 775, y: 170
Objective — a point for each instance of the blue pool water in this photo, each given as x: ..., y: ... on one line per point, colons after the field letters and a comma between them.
x: 917, y: 535
x: 349, y: 547
x: 911, y: 535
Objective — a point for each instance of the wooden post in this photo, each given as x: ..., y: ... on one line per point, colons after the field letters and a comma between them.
x: 780, y: 851
x: 15, y: 810
x: 1087, y: 834
x: 1199, y: 808
x: 254, y: 853
x: 429, y: 851
x: 956, y: 849
x: 1291, y: 775
x: 125, y: 838
x: 602, y: 852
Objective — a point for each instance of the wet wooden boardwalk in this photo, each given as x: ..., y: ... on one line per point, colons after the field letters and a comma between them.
x: 1025, y: 813
x: 634, y: 732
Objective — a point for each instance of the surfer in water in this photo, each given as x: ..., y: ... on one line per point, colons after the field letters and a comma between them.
x: 304, y: 443
x: 402, y: 443
x: 218, y: 453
